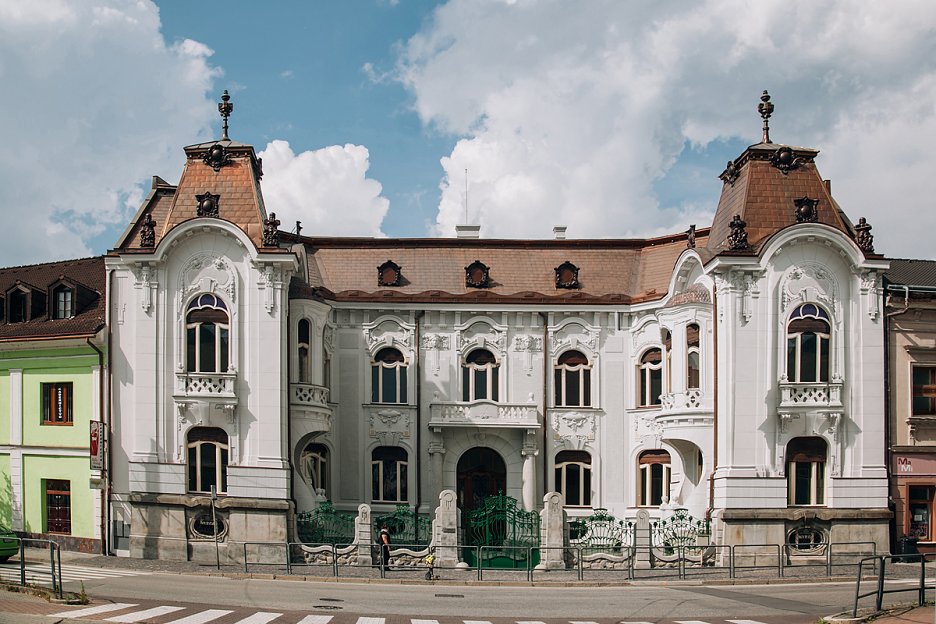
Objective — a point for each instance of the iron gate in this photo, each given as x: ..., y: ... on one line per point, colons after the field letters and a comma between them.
x: 505, y: 530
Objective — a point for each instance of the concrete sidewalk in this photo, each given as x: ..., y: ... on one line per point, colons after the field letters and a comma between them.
x: 914, y: 615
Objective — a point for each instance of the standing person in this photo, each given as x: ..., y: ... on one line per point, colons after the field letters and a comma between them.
x: 384, y: 548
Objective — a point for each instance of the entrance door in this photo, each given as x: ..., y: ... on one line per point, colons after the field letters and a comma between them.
x: 481, y: 473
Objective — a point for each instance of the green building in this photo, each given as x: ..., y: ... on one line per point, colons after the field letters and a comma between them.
x: 52, y: 383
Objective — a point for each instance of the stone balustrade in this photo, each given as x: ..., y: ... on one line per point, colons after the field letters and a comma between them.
x: 484, y: 414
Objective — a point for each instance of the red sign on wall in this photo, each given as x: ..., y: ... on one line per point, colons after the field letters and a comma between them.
x: 97, y: 445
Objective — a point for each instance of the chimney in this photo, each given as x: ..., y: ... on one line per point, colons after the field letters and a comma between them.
x: 559, y: 231
x: 468, y: 231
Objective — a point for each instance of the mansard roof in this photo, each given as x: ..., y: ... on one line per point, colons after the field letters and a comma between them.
x: 89, y: 317
x: 521, y: 271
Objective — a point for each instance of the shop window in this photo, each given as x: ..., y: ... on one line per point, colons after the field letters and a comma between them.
x: 924, y: 390
x: 693, y: 358
x: 480, y: 376
x: 57, y: 403
x: 573, y: 477
x: 654, y: 478
x: 572, y: 380
x: 806, y: 463
x: 304, y: 332
x: 58, y: 506
x: 650, y: 377
x: 207, y: 460
x: 389, y: 468
x: 207, y: 339
x: 388, y: 377
x: 920, y: 511
x: 808, y: 332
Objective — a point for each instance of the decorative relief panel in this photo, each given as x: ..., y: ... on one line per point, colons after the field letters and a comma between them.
x: 147, y: 284
x: 389, y: 425
x: 207, y: 272
x: 573, y: 336
x: 270, y: 283
x: 432, y: 344
x: 527, y: 345
x: 871, y: 289
x: 389, y: 332
x: 483, y: 335
x: 812, y: 283
x: 575, y: 429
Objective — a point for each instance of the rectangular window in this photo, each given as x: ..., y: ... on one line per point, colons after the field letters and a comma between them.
x: 63, y: 303
x: 920, y: 511
x: 57, y: 404
x: 806, y: 482
x: 924, y: 390
x: 58, y: 506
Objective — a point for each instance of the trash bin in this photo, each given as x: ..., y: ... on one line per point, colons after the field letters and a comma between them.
x: 907, y: 546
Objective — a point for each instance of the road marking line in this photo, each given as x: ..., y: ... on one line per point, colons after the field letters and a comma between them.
x: 369, y: 620
x: 107, y: 608
x: 262, y: 617
x: 476, y: 622
x: 582, y: 622
x: 314, y: 619
x: 744, y: 622
x: 144, y: 615
x: 424, y: 621
x: 690, y: 622
x: 201, y: 618
x: 530, y: 622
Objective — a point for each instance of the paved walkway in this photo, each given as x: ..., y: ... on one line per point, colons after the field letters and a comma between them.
x: 918, y: 615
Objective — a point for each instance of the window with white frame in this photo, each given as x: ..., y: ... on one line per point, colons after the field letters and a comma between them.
x: 314, y: 463
x: 924, y: 390
x: 388, y: 376
x: 572, y: 380
x: 693, y: 357
x: 653, y: 478
x: 62, y: 302
x: 479, y: 376
x: 806, y: 462
x: 650, y: 378
x: 304, y: 350
x: 808, y: 332
x: 389, y: 470
x: 573, y: 477
x: 207, y: 460
x: 207, y: 335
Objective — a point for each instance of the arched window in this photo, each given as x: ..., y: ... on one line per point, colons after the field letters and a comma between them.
x: 479, y: 376
x: 305, y: 351
x: 650, y: 378
x: 314, y: 464
x: 207, y: 335
x: 668, y: 354
x: 654, y: 478
x: 806, y: 460
x: 693, y: 358
x: 207, y: 460
x: 573, y: 380
x: 388, y: 377
x: 388, y: 475
x: 808, y: 333
x: 573, y: 477
x: 62, y: 302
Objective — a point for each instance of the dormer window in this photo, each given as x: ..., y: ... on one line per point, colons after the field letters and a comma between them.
x: 477, y: 275
x: 19, y: 306
x: 388, y: 274
x: 567, y: 275
x: 63, y: 302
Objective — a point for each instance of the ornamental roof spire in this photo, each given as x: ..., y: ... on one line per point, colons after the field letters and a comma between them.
x: 765, y: 108
x: 226, y: 108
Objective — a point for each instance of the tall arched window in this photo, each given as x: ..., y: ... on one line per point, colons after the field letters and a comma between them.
x: 389, y: 468
x: 573, y: 380
x: 388, y: 377
x: 479, y: 376
x: 808, y: 332
x: 207, y: 459
x: 650, y: 377
x: 207, y: 335
x: 573, y: 477
x: 654, y: 478
x: 693, y: 357
x: 314, y: 464
x: 806, y: 461
x: 305, y: 351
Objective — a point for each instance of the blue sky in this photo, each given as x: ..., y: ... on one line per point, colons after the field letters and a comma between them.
x: 613, y: 118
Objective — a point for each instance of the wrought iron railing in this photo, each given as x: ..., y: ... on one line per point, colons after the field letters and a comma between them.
x: 601, y: 532
x: 678, y: 530
x: 405, y: 526
x: 326, y: 525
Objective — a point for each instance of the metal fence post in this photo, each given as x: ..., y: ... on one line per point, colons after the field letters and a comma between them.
x: 922, y: 594
x: 59, y: 558
x: 879, y: 598
x: 52, y: 562
x: 22, y: 546
x: 288, y: 562
x: 829, y: 559
x: 779, y: 561
x: 335, y: 560
x: 581, y: 567
x: 245, y: 557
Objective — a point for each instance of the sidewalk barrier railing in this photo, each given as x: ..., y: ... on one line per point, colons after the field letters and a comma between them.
x: 55, y: 561
x: 570, y: 557
x: 880, y: 590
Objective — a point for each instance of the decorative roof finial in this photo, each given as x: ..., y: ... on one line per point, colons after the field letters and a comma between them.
x: 226, y: 108
x: 765, y: 108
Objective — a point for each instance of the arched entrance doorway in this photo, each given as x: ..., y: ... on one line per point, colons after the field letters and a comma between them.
x: 481, y: 473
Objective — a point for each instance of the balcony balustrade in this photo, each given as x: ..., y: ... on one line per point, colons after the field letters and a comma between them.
x: 308, y: 395
x: 205, y: 385
x: 810, y: 395
x: 484, y: 414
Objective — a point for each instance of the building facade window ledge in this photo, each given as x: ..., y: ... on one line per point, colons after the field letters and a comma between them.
x: 810, y: 394
x: 484, y: 414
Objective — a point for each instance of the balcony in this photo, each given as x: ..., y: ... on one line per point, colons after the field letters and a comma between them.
x: 308, y: 404
x: 484, y: 414
x: 308, y: 395
x: 684, y: 410
x: 205, y: 386
x: 810, y: 395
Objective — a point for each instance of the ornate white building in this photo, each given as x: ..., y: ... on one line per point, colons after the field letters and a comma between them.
x: 736, y: 370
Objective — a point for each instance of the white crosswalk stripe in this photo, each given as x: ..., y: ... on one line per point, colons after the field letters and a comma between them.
x: 202, y: 618
x: 262, y: 617
x: 744, y: 622
x: 424, y: 621
x: 40, y: 574
x: 370, y: 620
x: 690, y: 622
x: 146, y: 614
x: 476, y: 622
x: 582, y: 622
x: 106, y: 608
x: 315, y: 619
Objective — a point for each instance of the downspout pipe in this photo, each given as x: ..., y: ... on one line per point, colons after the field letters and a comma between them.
x: 419, y: 450
x: 546, y: 356
x: 711, y: 505
x: 108, y: 456
x: 105, y: 442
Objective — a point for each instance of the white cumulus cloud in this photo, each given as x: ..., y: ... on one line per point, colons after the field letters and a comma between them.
x: 93, y: 102
x: 570, y: 113
x: 327, y: 189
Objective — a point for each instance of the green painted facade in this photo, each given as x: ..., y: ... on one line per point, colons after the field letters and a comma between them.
x: 76, y: 470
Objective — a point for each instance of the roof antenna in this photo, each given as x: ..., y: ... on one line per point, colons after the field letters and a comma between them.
x: 765, y: 108
x: 226, y: 108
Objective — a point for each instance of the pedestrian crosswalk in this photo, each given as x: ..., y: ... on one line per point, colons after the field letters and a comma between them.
x: 40, y: 573
x: 129, y: 613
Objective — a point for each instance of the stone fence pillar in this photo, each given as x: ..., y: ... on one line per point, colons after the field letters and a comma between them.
x: 445, y: 531
x: 364, y: 535
x: 552, y: 532
x: 643, y: 539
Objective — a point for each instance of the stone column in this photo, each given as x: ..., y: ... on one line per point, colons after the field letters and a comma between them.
x: 436, y: 456
x: 445, y: 531
x: 529, y: 452
x: 642, y: 539
x: 364, y: 535
x: 552, y: 532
